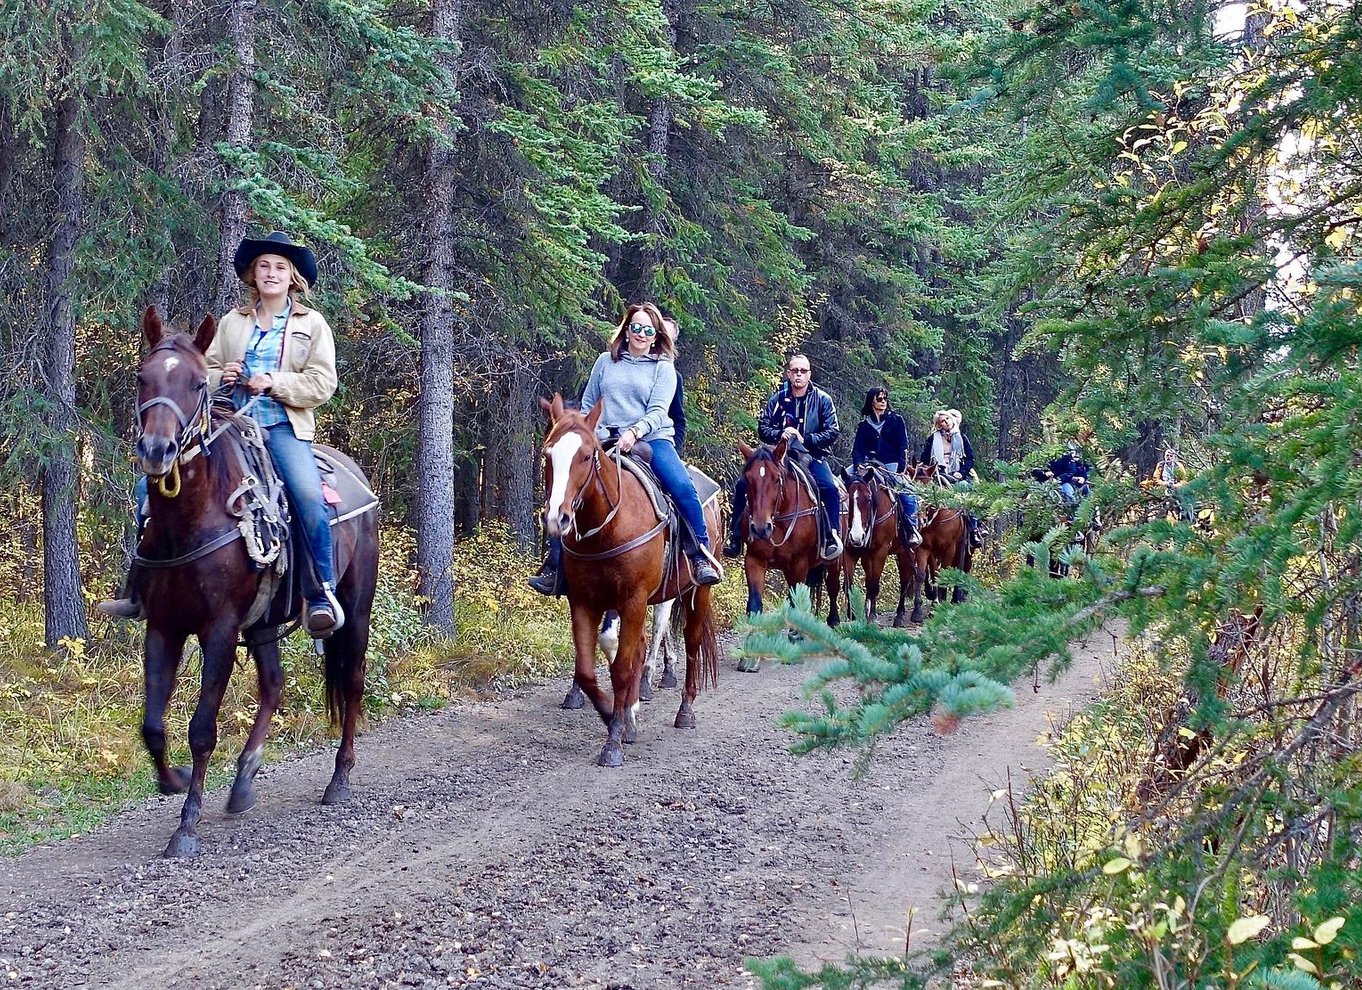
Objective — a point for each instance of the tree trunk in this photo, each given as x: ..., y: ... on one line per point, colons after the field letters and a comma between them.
x: 659, y: 135
x: 63, y: 602
x: 435, y: 425
x: 240, y: 113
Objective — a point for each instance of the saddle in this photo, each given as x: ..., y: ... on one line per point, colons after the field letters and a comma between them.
x: 798, y: 462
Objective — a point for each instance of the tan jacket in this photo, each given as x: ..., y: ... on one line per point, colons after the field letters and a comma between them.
x: 307, y: 377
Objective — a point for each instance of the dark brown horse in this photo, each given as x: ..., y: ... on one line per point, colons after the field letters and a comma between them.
x: 615, y: 556
x: 197, y: 579
x: 945, y: 543
x: 781, y: 529
x: 872, y: 535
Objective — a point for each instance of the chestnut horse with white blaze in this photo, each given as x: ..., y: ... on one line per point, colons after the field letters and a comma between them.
x: 615, y: 556
x: 872, y: 535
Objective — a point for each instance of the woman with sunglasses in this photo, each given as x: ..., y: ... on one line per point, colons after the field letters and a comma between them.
x: 882, y: 436
x: 635, y: 380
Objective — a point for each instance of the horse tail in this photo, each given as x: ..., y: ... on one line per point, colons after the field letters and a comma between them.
x: 695, y: 607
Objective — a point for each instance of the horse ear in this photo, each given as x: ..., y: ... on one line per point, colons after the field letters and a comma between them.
x: 746, y: 451
x: 781, y: 449
x: 594, y: 417
x: 547, y: 406
x: 204, y: 335
x: 152, y: 329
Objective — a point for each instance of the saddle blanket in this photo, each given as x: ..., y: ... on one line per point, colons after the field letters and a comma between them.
x: 345, y: 492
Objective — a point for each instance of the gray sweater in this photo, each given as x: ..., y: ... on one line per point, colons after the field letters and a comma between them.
x: 636, y: 392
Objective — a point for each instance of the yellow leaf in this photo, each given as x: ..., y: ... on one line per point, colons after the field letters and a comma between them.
x: 1303, y: 963
x: 1300, y: 942
x: 1325, y: 933
x: 1118, y: 865
x: 1246, y: 928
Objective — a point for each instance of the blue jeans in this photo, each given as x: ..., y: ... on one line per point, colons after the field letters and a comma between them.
x: 827, y: 491
x: 908, y: 501
x: 293, y: 460
x: 1071, y: 493
x: 676, y: 480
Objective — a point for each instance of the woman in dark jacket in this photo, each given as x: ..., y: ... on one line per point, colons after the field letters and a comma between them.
x: 883, y: 436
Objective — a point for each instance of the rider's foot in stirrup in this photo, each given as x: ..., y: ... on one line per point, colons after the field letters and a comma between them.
x: 733, y: 548
x: 914, y: 537
x: 704, y: 571
x: 325, y: 615
x: 832, y: 548
x: 545, y: 582
x: 122, y: 608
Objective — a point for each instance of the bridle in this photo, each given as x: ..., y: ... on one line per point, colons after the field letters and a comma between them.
x: 595, y: 480
x: 794, y: 516
x: 873, y: 487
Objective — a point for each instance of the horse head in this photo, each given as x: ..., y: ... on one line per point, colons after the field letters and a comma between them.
x: 572, y: 459
x: 862, y: 509
x: 765, y: 473
x: 172, y: 392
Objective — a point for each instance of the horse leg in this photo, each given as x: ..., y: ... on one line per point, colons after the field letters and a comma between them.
x: 919, y: 587
x: 270, y: 676
x: 219, y: 654
x: 874, y: 572
x: 664, y: 643
x: 608, y: 641
x: 624, y: 678
x: 832, y: 581
x: 585, y: 623
x: 755, y: 571
x: 162, y: 662
x: 905, y: 580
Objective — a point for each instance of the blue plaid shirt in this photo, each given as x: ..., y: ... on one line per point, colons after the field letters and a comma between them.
x: 264, y: 355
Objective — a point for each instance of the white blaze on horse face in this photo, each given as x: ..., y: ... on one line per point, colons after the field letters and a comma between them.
x: 560, y: 459
x: 172, y: 363
x: 857, y: 531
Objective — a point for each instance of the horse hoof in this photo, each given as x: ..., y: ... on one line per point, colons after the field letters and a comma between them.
x: 668, y: 679
x: 898, y: 621
x: 574, y: 700
x: 748, y: 665
x: 630, y: 735
x: 183, y: 845
x: 336, y: 793
x: 916, y: 618
x: 645, y: 693
x: 685, y: 720
x: 176, y: 783
x: 611, y: 756
x: 241, y: 800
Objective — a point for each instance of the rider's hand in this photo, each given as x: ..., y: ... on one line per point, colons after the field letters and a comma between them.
x: 957, y: 477
x: 231, y: 373
x: 260, y: 383
x: 1080, y: 480
x: 627, y: 440
x: 792, y: 434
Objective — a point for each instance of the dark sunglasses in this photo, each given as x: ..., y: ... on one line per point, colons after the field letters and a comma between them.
x: 642, y: 328
x: 881, y: 398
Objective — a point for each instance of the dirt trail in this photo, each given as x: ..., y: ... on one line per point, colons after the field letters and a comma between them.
x: 484, y: 848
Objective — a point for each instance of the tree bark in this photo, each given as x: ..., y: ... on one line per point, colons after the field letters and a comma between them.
x: 659, y: 137
x: 240, y: 115
x: 435, y: 425
x: 63, y: 601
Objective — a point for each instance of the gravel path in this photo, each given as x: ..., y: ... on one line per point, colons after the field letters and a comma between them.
x: 484, y: 848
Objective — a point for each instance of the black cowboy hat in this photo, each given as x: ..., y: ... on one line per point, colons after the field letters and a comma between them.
x: 278, y: 243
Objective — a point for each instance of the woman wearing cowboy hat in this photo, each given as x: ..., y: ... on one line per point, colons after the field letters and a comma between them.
x: 280, y: 351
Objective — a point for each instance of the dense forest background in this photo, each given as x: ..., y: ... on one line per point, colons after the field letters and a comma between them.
x: 1125, y: 222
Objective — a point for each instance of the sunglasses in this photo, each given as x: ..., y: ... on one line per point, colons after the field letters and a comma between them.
x: 881, y: 398
x: 642, y: 329
x: 799, y: 371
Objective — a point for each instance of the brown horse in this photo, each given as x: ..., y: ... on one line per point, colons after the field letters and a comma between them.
x: 945, y: 543
x: 782, y: 529
x: 872, y: 535
x: 197, y: 579
x: 616, y: 556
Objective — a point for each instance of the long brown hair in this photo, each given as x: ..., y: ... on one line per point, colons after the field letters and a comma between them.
x: 663, y: 345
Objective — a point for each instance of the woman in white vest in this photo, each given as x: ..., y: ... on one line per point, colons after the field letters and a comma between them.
x: 948, y: 449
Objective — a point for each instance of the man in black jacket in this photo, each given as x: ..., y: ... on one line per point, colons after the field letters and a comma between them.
x: 804, y: 415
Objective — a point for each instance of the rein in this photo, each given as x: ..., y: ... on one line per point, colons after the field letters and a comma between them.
x: 793, y: 516
x: 597, y: 480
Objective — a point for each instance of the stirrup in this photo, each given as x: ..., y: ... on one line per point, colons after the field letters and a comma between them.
x: 832, y: 549
x: 733, y: 548
x: 546, y: 583
x: 330, y: 609
x: 703, y: 571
